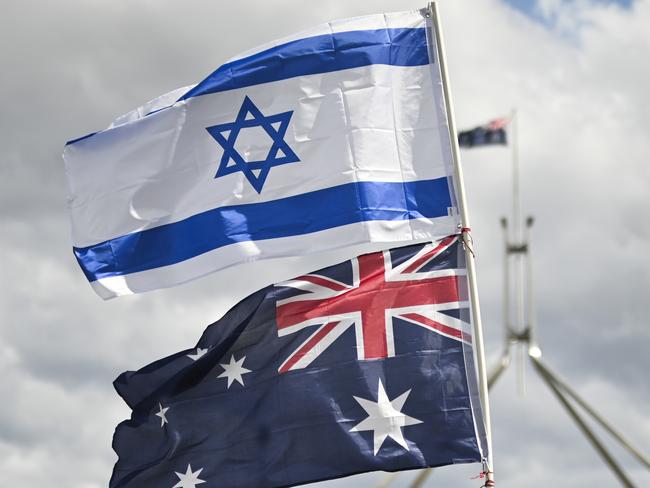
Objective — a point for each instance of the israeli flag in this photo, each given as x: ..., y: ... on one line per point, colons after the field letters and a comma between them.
x: 332, y: 138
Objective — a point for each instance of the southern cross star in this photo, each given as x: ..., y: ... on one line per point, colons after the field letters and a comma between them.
x: 232, y: 161
x: 385, y: 418
x: 198, y: 354
x: 161, y: 413
x: 190, y: 479
x: 234, y: 371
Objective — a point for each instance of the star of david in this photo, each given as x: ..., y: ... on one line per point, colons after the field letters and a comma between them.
x: 257, y: 171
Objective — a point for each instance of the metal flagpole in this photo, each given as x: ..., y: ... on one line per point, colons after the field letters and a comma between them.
x: 516, y: 194
x: 390, y: 477
x: 504, y: 360
x: 438, y: 48
x: 421, y: 478
x: 507, y: 322
x: 603, y: 423
x: 607, y: 457
x: 533, y: 349
x: 436, y: 33
x: 519, y: 253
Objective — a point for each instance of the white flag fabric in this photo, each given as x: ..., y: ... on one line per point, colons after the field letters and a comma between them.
x: 331, y: 138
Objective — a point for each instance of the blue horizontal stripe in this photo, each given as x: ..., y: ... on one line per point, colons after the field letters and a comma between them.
x: 319, y: 54
x: 314, y: 55
x: 296, y: 215
x: 79, y: 139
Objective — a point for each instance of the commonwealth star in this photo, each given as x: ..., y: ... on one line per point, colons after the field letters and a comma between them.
x: 234, y: 371
x: 161, y: 413
x: 385, y: 418
x: 190, y: 479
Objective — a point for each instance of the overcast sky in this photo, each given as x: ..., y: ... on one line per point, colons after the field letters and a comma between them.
x: 578, y: 73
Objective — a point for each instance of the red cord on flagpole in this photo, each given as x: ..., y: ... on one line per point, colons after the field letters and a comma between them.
x: 468, y: 242
x: 489, y: 482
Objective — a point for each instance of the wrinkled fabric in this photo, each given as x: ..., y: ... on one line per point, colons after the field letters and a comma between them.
x: 295, y: 413
x: 155, y: 200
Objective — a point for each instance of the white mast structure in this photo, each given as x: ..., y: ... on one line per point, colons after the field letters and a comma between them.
x: 519, y: 332
x: 520, y: 328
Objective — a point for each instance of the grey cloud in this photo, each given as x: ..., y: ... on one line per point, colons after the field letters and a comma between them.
x: 71, y: 67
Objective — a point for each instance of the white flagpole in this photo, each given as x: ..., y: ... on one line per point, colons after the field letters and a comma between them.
x: 471, y: 269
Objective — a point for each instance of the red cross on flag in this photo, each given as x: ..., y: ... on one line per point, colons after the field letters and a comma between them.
x: 379, y: 293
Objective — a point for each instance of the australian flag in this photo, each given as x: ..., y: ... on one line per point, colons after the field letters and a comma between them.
x: 492, y: 133
x: 366, y: 365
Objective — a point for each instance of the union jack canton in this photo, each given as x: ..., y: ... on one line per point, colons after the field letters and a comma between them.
x: 419, y: 289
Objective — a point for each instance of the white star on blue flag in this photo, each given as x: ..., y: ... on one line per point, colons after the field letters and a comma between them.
x: 189, y: 479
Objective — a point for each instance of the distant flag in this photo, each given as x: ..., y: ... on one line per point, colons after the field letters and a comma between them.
x: 494, y: 132
x: 366, y: 365
x: 330, y: 138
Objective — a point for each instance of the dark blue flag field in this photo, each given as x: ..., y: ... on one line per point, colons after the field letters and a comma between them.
x: 362, y: 366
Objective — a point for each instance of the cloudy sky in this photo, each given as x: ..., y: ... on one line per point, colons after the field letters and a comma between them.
x: 576, y: 70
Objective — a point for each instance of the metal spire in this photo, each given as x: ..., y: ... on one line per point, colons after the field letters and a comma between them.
x: 520, y: 333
